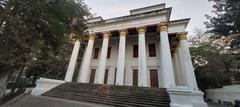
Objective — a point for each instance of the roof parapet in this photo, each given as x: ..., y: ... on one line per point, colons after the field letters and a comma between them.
x: 147, y: 9
x: 95, y: 19
x: 180, y: 21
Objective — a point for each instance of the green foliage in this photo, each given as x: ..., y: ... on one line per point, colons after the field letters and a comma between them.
x: 222, y: 63
x: 214, y: 66
x: 210, y: 66
x: 226, y: 21
x: 34, y: 33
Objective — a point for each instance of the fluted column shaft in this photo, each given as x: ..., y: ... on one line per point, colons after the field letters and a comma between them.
x: 166, y: 66
x: 142, y: 60
x: 84, y: 74
x: 99, y: 77
x: 187, y: 62
x: 72, y: 62
x: 121, y: 58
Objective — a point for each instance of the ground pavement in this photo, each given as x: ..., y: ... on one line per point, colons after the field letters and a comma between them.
x: 26, y: 100
x: 211, y: 104
x: 41, y: 101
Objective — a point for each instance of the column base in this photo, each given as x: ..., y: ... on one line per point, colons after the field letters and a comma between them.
x: 184, y: 97
x: 44, y: 85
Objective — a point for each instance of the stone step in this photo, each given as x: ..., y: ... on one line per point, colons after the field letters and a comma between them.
x: 122, y: 88
x: 121, y: 96
x: 110, y: 101
x: 146, y: 99
x: 111, y: 92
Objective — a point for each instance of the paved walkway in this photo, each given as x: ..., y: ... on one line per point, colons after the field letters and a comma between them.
x: 26, y: 100
x: 211, y: 104
x: 41, y: 101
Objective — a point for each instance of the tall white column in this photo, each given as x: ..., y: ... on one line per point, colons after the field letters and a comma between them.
x: 72, y: 63
x: 187, y: 62
x: 177, y: 72
x: 182, y: 78
x: 166, y: 66
x: 99, y: 77
x: 84, y: 74
x: 142, y: 60
x: 121, y: 58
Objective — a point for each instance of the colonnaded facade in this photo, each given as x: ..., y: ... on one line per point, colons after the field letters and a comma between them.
x: 143, y: 49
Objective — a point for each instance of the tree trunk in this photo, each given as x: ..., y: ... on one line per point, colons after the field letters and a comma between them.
x: 3, y: 84
x: 34, y: 79
x: 16, y: 83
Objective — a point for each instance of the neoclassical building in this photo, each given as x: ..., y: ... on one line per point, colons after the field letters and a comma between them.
x: 143, y: 49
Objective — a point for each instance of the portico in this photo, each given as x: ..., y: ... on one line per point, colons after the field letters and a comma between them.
x: 109, y: 58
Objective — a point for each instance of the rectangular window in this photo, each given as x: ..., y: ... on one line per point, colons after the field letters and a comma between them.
x: 96, y: 52
x: 109, y: 52
x: 152, y: 50
x: 135, y: 51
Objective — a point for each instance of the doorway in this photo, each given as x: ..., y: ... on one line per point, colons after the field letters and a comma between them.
x: 135, y: 77
x: 93, y: 71
x: 106, y: 76
x: 154, y: 77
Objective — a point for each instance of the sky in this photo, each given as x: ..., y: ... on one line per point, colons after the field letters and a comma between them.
x: 194, y: 9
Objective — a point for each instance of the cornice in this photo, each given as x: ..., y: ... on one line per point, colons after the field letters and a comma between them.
x: 166, y: 11
x: 180, y: 21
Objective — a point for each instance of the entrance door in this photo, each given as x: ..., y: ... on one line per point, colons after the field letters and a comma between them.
x: 154, y: 77
x: 135, y: 77
x: 93, y: 71
x: 115, y: 75
x: 106, y: 76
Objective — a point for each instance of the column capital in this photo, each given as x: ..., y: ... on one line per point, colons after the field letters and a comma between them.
x: 77, y: 40
x: 123, y: 33
x: 74, y: 37
x: 173, y: 50
x: 177, y: 46
x: 182, y: 36
x: 163, y: 27
x: 91, y: 36
x: 141, y: 29
x: 106, y: 34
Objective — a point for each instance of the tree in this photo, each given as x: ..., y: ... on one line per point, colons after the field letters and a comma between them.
x: 36, y: 32
x: 226, y: 21
x: 214, y: 65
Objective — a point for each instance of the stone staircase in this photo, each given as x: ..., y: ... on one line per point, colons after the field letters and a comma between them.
x: 121, y: 96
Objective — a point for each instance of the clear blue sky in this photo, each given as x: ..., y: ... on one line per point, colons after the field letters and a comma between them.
x: 194, y: 9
